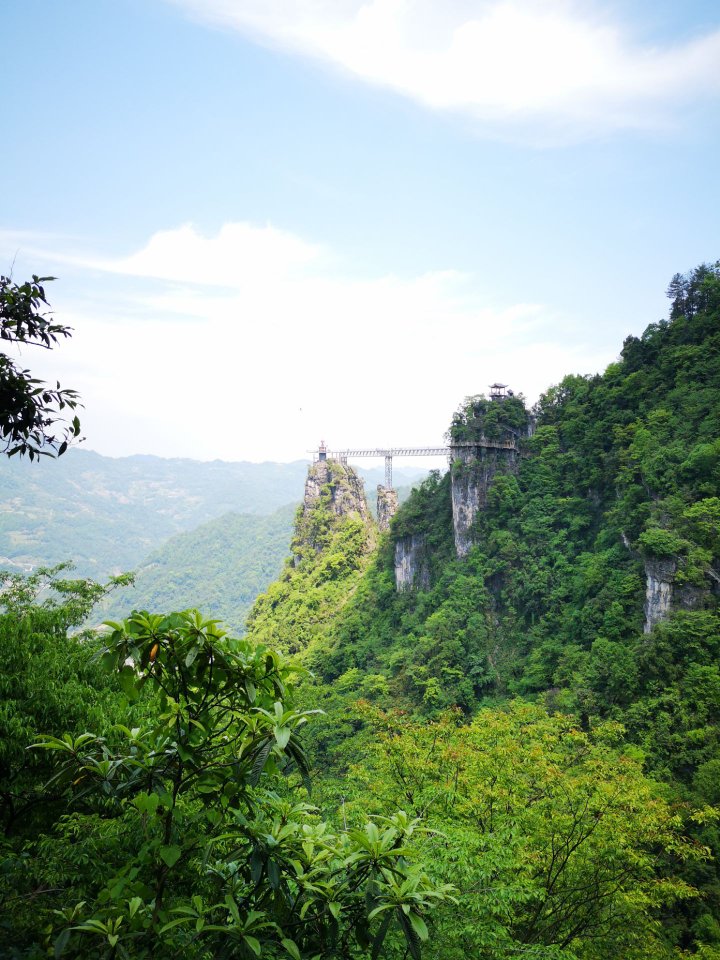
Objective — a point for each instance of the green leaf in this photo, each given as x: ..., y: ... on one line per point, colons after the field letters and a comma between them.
x: 92, y: 926
x: 256, y: 865
x: 259, y: 763
x: 291, y: 948
x: 62, y: 941
x: 380, y: 936
x: 170, y: 854
x: 253, y: 944
x: 128, y: 680
x: 282, y: 735
x: 411, y: 936
x: 419, y: 926
x: 109, y: 660
x: 134, y: 905
x: 146, y: 802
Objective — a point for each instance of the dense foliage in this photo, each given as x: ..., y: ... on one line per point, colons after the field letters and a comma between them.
x: 186, y: 835
x: 47, y: 681
x: 478, y: 418
x: 555, y: 837
x: 221, y: 566
x: 617, y: 485
x: 538, y: 718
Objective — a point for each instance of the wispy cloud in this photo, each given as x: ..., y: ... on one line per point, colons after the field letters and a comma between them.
x: 239, y: 253
x: 556, y: 69
x: 254, y: 343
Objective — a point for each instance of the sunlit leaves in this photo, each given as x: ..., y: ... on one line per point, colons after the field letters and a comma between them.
x: 551, y: 833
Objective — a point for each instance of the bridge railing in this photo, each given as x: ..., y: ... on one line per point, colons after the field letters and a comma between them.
x: 484, y: 442
x: 389, y: 452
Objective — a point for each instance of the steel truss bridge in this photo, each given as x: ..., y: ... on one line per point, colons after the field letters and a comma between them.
x: 389, y: 452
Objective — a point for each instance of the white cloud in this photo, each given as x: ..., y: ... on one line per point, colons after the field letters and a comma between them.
x: 253, y: 344
x: 240, y: 252
x: 515, y: 64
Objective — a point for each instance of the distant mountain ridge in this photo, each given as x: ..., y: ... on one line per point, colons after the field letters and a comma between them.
x: 107, y: 514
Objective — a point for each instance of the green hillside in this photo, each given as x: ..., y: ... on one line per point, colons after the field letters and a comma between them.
x: 613, y: 499
x: 507, y: 706
x: 622, y: 472
x: 107, y: 514
x: 220, y: 566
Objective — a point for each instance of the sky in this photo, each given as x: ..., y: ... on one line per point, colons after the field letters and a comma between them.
x: 279, y: 221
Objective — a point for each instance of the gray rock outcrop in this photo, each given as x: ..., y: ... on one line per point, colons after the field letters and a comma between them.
x: 334, y: 489
x: 340, y: 487
x: 658, y: 590
x: 473, y: 471
x: 387, y: 504
x: 411, y: 564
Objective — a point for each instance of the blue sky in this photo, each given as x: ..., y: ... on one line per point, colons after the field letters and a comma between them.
x: 279, y: 220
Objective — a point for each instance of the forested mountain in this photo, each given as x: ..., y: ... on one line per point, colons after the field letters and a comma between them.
x: 518, y: 753
x: 585, y: 579
x: 106, y: 514
x: 220, y: 566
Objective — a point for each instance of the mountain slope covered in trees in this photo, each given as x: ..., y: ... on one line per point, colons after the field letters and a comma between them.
x: 220, y: 566
x: 107, y: 514
x: 520, y: 688
x: 613, y: 505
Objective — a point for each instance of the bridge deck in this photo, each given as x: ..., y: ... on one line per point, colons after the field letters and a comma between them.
x: 390, y: 452
x: 421, y: 451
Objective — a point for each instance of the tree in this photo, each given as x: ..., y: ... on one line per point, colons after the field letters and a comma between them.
x: 29, y: 409
x: 184, y: 836
x: 555, y: 837
x: 47, y: 680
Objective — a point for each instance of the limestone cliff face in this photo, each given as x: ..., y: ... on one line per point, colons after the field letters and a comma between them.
x: 663, y: 595
x: 658, y: 590
x: 387, y: 504
x: 338, y: 486
x: 472, y: 473
x: 332, y: 490
x: 411, y: 565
